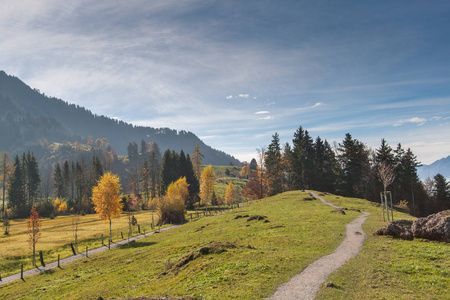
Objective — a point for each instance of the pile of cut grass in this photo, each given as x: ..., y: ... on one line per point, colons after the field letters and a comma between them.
x: 264, y: 255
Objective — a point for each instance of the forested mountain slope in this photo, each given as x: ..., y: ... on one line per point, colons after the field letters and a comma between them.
x: 27, y: 117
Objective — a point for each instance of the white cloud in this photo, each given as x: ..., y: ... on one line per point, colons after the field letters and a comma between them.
x: 229, y: 97
x: 261, y: 112
x: 266, y: 118
x: 243, y: 95
x: 415, y: 120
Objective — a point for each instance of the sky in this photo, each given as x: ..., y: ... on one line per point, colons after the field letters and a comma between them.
x: 236, y: 72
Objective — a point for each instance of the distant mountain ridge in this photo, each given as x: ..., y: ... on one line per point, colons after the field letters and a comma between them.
x: 27, y: 116
x: 441, y: 166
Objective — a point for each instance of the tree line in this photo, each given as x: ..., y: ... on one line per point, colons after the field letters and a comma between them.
x: 349, y: 168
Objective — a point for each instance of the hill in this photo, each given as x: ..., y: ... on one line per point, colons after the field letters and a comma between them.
x: 228, y: 257
x: 28, y: 116
x: 441, y: 166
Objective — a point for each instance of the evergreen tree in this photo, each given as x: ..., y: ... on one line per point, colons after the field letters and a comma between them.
x: 273, y: 166
x: 17, y: 191
x: 356, y: 171
x: 441, y: 192
x: 253, y: 164
x: 32, y: 177
x: 58, y: 182
x: 154, y: 173
x: 286, y: 162
x: 143, y: 147
x: 192, y: 181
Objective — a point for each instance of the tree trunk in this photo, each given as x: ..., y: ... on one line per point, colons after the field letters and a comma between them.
x: 110, y: 234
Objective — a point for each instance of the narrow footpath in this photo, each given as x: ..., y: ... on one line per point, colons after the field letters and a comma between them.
x: 77, y: 257
x: 306, y: 284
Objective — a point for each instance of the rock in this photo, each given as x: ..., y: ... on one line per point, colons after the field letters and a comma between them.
x: 339, y: 210
x: 435, y: 227
x: 330, y: 285
x: 398, y: 229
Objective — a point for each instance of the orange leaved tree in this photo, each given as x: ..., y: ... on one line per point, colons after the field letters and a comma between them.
x: 106, y: 198
x: 171, y: 208
x: 33, y: 225
x: 230, y: 194
x: 207, y: 185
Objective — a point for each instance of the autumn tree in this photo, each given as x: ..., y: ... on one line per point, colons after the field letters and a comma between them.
x: 171, y: 208
x: 106, y: 198
x: 207, y: 185
x: 33, y: 225
x: 230, y: 194
x: 245, y: 171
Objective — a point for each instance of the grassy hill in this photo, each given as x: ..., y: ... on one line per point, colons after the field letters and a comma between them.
x: 224, y: 257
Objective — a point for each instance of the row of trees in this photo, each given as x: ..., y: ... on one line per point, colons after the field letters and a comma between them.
x: 349, y: 168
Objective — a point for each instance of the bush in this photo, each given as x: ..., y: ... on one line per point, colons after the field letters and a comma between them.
x: 45, y: 208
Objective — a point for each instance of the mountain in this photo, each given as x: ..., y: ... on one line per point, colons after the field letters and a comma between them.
x: 28, y: 117
x: 441, y: 166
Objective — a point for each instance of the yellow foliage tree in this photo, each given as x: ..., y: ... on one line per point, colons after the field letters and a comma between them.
x: 33, y: 225
x: 230, y: 194
x: 106, y: 198
x: 245, y: 171
x: 207, y: 185
x: 171, y: 208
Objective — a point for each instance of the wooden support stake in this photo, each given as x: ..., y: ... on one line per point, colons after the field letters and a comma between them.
x: 21, y: 271
x: 59, y: 266
x: 87, y: 251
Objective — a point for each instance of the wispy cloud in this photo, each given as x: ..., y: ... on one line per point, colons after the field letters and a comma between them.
x: 415, y: 120
x: 262, y: 112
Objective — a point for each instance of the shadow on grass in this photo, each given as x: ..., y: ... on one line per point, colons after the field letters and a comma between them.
x: 136, y: 244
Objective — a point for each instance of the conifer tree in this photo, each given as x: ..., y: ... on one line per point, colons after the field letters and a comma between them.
x: 17, y: 191
x: 207, y: 185
x: 197, y: 158
x: 273, y: 166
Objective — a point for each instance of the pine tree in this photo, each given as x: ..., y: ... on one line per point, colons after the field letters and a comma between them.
x: 58, y: 182
x: 273, y: 166
x: 17, y: 191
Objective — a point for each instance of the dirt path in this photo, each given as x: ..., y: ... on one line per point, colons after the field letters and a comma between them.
x: 75, y: 257
x: 306, y: 284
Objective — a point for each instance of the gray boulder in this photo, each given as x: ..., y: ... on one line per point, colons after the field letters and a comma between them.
x: 435, y: 227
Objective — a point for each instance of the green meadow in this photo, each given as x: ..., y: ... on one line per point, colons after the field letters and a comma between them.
x: 228, y: 257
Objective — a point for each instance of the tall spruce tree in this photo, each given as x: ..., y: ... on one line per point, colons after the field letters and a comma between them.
x: 274, y: 166
x: 17, y: 191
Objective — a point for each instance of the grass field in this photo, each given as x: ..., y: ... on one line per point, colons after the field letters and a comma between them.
x: 389, y: 268
x: 57, y: 234
x: 261, y: 255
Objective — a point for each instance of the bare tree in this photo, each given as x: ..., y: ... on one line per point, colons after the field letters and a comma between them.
x: 387, y: 176
x: 75, y: 223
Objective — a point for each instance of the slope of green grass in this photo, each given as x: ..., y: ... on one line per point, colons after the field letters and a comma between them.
x: 266, y: 254
x: 388, y: 268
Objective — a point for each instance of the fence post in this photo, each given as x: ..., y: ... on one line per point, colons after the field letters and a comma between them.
x: 21, y: 271
x: 73, y: 249
x: 87, y: 251
x: 109, y: 244
x: 121, y: 233
x: 42, y: 258
x: 139, y: 228
x: 102, y: 239
x: 59, y: 266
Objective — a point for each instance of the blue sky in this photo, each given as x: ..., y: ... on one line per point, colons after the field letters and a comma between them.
x: 236, y: 72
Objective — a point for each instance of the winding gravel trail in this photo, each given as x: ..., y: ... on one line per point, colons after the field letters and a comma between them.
x: 306, y: 284
x: 76, y: 257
